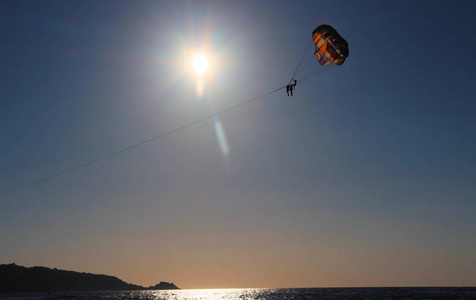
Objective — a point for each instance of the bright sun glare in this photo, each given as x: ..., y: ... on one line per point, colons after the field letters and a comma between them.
x: 200, y: 63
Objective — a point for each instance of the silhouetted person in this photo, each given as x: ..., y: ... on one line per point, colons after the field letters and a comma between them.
x: 290, y: 87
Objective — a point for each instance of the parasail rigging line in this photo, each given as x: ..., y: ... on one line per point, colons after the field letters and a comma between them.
x: 134, y: 146
x: 305, y: 69
x: 315, y: 72
x: 304, y: 55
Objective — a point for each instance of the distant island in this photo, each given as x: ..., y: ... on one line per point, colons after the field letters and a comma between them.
x: 18, y: 279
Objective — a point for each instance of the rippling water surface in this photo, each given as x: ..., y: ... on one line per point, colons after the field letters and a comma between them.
x: 264, y: 294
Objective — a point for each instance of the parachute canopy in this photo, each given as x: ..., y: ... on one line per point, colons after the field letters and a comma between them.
x: 330, y: 46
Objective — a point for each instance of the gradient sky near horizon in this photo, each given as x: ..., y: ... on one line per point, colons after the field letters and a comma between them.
x: 366, y: 177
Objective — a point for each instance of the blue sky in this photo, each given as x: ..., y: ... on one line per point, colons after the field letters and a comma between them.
x: 364, y: 178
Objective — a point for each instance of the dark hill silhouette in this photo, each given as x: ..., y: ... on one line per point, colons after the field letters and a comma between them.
x: 18, y: 279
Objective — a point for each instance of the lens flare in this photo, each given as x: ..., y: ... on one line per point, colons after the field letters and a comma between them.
x: 221, y: 138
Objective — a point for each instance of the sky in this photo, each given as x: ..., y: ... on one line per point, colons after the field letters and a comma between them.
x: 365, y: 177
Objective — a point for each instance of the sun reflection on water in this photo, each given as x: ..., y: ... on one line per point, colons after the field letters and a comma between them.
x: 213, y: 294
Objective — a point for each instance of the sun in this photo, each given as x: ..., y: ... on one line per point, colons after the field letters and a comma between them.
x: 200, y: 63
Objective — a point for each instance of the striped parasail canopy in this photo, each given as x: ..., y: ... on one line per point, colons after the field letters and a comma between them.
x: 330, y: 46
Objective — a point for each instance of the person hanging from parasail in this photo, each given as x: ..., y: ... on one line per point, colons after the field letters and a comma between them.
x: 290, y: 87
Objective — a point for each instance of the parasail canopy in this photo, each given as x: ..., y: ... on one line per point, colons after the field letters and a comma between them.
x: 330, y: 49
x: 330, y: 46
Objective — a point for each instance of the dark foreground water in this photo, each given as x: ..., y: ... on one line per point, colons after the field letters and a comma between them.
x: 263, y: 294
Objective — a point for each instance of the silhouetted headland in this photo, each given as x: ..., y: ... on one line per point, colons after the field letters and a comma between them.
x: 18, y: 279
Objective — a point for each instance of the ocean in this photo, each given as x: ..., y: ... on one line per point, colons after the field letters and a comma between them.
x: 264, y: 294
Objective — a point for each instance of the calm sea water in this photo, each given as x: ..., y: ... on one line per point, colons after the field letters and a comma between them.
x: 263, y: 294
